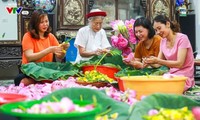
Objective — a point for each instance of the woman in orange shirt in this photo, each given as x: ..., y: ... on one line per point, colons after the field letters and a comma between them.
x: 149, y: 43
x: 38, y: 44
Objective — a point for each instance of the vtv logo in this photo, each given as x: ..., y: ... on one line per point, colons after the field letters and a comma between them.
x: 14, y: 10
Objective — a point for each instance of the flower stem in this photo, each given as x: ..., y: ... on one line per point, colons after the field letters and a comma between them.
x: 94, y: 100
x: 95, y: 67
x: 68, y: 40
x: 22, y: 108
x: 81, y: 97
x: 55, y: 99
x: 105, y: 112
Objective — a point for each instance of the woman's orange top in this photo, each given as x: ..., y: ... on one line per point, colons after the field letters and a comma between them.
x: 141, y: 51
x: 38, y: 45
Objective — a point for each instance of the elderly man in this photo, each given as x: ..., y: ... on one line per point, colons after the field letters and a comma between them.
x: 91, y: 40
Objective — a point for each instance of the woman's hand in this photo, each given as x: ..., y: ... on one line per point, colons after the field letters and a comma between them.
x: 138, y: 64
x: 58, y: 51
x: 151, y: 60
x: 105, y: 51
x: 134, y: 63
x: 65, y: 46
x: 127, y: 62
x: 101, y: 51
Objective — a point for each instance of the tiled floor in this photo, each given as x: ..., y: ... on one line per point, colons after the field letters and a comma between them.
x: 6, y: 82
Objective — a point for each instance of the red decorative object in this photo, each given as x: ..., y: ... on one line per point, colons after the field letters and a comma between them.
x: 120, y: 84
x: 109, y: 71
x: 99, y: 13
x: 11, y: 97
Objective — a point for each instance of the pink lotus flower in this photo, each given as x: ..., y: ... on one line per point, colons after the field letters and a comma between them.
x: 126, y: 51
x: 122, y: 42
x: 114, y: 40
x: 129, y: 58
x: 196, y: 113
x: 67, y: 105
x: 152, y: 112
x: 119, y: 42
x: 116, y: 24
x: 129, y: 24
x: 124, y: 32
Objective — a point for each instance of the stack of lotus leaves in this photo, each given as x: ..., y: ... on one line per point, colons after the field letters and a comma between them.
x: 95, y: 76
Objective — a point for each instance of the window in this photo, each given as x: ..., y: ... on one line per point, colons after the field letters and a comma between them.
x: 118, y: 9
x: 128, y: 9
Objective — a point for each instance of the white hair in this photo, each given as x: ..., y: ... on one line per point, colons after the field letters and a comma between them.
x: 90, y: 19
